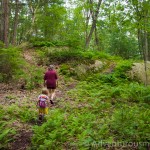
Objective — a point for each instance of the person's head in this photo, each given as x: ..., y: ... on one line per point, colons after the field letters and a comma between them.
x: 51, y: 67
x: 45, y: 91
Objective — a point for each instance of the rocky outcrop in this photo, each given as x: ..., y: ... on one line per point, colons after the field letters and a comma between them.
x: 97, y: 65
x: 138, y: 72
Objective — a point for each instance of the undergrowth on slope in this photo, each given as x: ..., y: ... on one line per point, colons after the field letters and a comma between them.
x: 103, y: 108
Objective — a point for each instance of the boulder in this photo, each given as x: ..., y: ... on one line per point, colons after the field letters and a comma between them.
x: 81, y: 69
x: 138, y: 72
x: 97, y: 65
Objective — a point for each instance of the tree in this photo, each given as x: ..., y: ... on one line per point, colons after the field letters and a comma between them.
x: 94, y: 14
x: 142, y: 17
x: 5, y: 22
x: 1, y: 21
x: 15, y: 22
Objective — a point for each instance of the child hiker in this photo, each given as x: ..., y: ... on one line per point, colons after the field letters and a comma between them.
x: 42, y: 104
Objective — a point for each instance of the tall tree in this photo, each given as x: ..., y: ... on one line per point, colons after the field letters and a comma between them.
x: 1, y: 21
x: 15, y: 22
x: 6, y: 21
x: 94, y: 14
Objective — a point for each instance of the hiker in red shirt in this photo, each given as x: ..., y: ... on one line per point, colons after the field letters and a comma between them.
x: 50, y: 81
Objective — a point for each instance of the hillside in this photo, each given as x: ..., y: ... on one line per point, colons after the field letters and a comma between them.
x: 97, y: 105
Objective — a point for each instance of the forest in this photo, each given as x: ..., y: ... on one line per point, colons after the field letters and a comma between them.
x: 101, y: 52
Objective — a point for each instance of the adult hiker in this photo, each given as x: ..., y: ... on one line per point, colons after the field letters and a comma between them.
x: 51, y: 82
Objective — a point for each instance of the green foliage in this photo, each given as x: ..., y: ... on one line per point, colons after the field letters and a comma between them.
x: 123, y: 45
x: 138, y: 93
x: 72, y: 55
x: 64, y: 69
x: 102, y: 107
x: 122, y: 68
x: 1, y: 44
x: 24, y: 112
x: 74, y: 42
x: 41, y: 57
x: 6, y: 132
x: 98, y: 120
x: 33, y: 77
x: 13, y: 117
x: 64, y: 56
x: 61, y: 127
x: 10, y: 64
x: 5, y: 137
x: 131, y: 122
x: 42, y: 43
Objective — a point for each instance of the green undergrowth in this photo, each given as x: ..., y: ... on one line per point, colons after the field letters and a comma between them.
x: 14, y: 68
x: 11, y: 64
x: 66, y: 54
x: 13, y: 118
x: 102, y: 109
x: 97, y: 115
x: 5, y: 131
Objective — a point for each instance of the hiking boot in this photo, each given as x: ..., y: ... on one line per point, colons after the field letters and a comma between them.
x: 40, y: 117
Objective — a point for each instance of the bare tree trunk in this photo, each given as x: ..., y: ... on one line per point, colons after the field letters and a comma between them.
x: 140, y: 43
x: 87, y: 16
x: 97, y: 39
x: 1, y: 20
x: 145, y: 46
x: 6, y: 22
x: 94, y: 19
x: 86, y: 24
x: 15, y: 23
x: 146, y: 56
x: 148, y: 40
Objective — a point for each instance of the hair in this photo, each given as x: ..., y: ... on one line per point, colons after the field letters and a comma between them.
x: 51, y: 67
x: 45, y: 91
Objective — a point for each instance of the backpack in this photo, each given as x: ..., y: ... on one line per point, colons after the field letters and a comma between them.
x: 42, y: 104
x: 42, y: 101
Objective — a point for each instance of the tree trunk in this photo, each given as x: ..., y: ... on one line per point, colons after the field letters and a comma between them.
x: 6, y: 22
x: 148, y: 38
x: 145, y: 56
x: 15, y: 23
x: 2, y: 20
x: 87, y: 16
x: 94, y: 19
x: 140, y: 43
x: 97, y: 39
x: 145, y: 46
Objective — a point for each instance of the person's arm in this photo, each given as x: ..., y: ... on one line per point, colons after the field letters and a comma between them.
x: 56, y: 77
x: 57, y: 83
x: 45, y: 78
